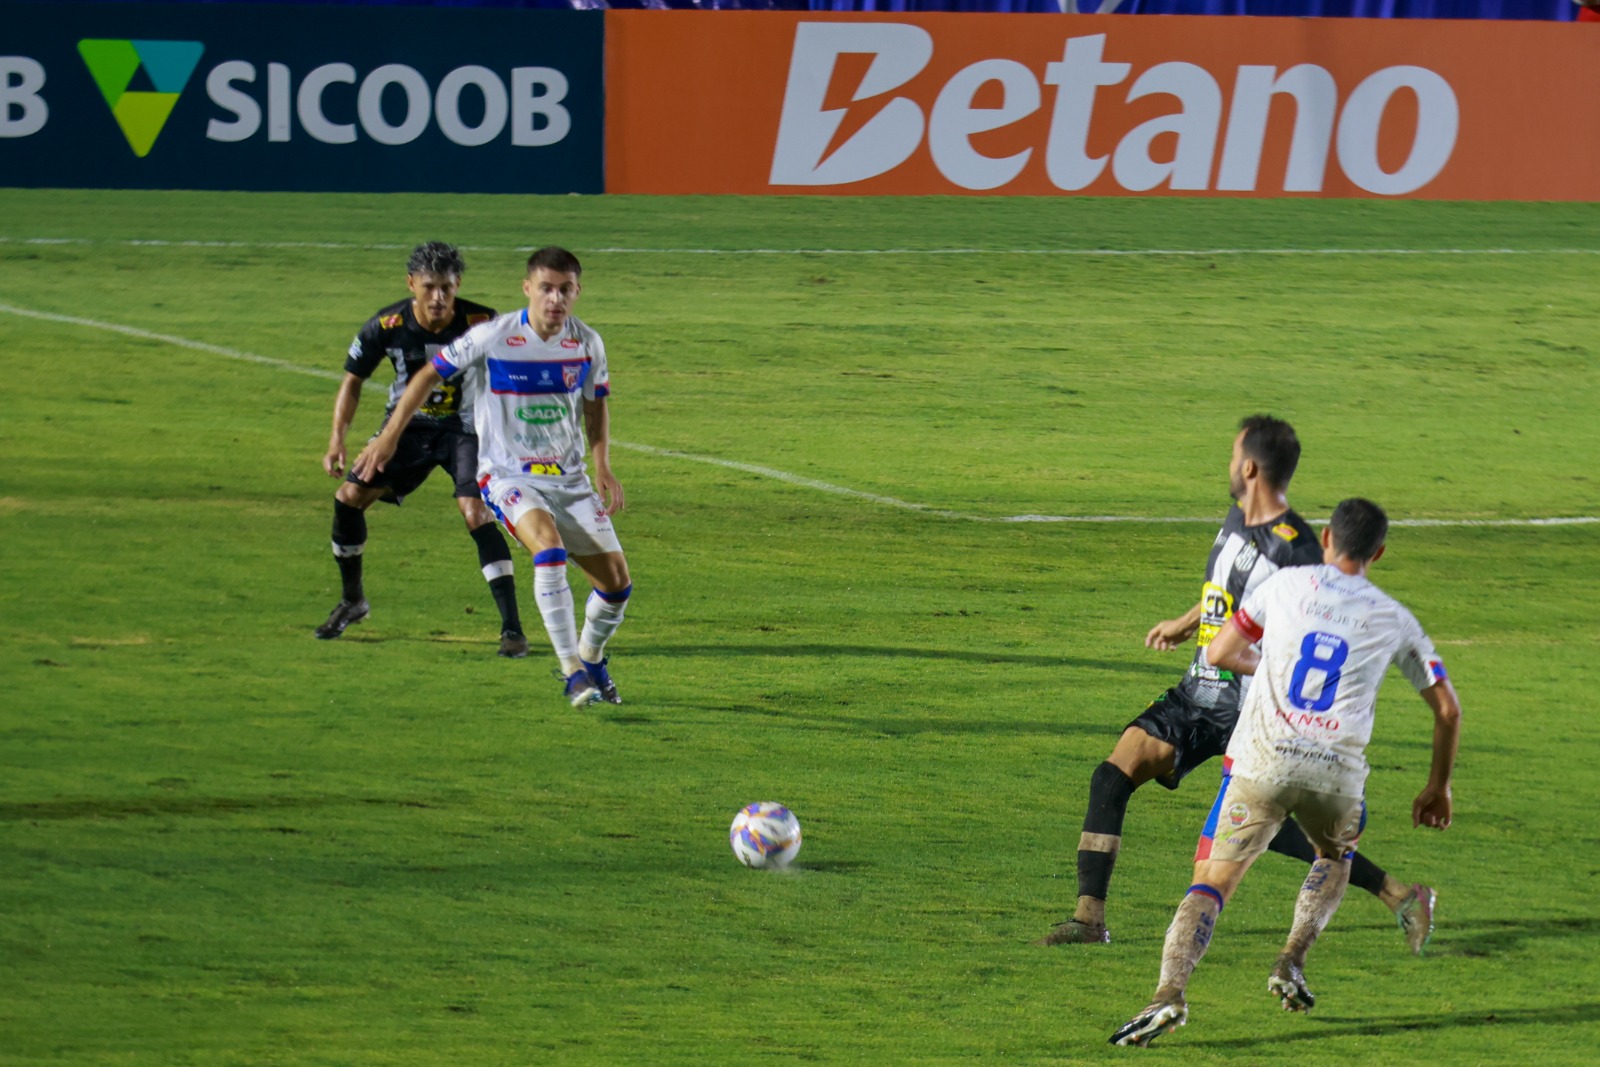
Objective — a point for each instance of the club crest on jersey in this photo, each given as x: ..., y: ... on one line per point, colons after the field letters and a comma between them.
x: 1286, y: 531
x: 389, y: 322
x: 517, y: 341
x: 570, y: 376
x: 1246, y: 558
x: 1238, y: 812
x: 570, y: 342
x: 513, y: 498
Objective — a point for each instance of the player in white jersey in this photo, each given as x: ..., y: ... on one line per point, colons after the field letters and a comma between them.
x: 540, y: 381
x: 1326, y: 636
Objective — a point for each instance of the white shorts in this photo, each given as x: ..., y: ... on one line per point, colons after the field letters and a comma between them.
x: 1248, y: 815
x: 577, y: 509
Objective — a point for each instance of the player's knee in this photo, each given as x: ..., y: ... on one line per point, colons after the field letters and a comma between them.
x: 355, y: 496
x: 1110, y: 779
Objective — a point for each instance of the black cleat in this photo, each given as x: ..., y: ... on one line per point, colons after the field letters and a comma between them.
x: 513, y: 645
x: 347, y: 613
x: 602, y: 680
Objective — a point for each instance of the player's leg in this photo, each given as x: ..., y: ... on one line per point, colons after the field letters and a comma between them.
x: 1333, y: 825
x: 1146, y: 750
x: 401, y: 476
x: 494, y: 559
x: 1412, y: 905
x: 350, y: 504
x: 1251, y: 817
x: 457, y: 455
x: 587, y: 530
x: 602, y: 615
x: 528, y: 515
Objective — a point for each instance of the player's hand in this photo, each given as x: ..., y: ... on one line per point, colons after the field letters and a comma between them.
x: 334, y: 461
x: 373, y: 458
x: 1432, y: 808
x: 612, y: 498
x: 1168, y: 635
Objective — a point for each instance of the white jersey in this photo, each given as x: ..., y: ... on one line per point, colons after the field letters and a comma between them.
x: 1326, y: 640
x: 528, y: 393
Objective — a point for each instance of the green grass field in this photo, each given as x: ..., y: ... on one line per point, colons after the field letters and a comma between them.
x: 225, y: 843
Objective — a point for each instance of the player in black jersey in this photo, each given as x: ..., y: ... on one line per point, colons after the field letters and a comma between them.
x: 407, y: 334
x: 1192, y: 722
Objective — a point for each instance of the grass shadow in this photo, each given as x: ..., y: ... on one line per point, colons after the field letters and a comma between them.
x: 1320, y: 1028
x: 1170, y: 669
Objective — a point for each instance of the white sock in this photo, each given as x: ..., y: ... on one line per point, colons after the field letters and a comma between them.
x: 601, y: 617
x: 554, y: 597
x: 1188, y: 938
x: 1319, y: 898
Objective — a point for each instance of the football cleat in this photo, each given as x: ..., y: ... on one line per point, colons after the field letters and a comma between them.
x: 1288, y: 984
x: 602, y: 680
x: 580, y: 690
x: 1161, y: 1017
x: 347, y: 613
x: 513, y: 645
x: 1074, y: 932
x: 1415, y: 916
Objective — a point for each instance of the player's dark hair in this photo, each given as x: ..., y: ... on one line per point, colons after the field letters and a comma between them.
x: 436, y: 257
x: 556, y: 258
x: 1273, y: 445
x: 1359, y: 528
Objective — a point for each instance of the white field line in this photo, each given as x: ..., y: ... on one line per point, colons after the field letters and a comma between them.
x: 747, y: 468
x: 351, y: 246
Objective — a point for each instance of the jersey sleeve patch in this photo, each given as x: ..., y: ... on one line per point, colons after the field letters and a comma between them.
x: 390, y: 322
x: 1286, y: 531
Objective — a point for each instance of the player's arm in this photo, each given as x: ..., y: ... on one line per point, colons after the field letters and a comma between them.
x: 1433, y: 805
x: 1171, y: 633
x: 1233, y: 649
x: 345, y: 402
x: 597, y: 428
x: 381, y: 448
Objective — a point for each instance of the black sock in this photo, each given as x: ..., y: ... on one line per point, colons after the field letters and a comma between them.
x: 349, y: 540
x: 1292, y: 841
x: 1109, y: 790
x: 492, y: 549
x: 1367, y: 875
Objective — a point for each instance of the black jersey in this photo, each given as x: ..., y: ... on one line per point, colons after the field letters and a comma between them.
x: 394, y: 334
x: 1242, y: 557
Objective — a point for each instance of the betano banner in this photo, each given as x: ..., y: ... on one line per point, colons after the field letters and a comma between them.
x: 730, y: 102
x: 256, y: 96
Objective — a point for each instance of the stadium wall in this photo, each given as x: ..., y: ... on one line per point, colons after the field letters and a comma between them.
x: 327, y: 98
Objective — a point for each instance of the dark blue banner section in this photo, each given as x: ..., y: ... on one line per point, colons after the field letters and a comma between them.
x: 310, y: 98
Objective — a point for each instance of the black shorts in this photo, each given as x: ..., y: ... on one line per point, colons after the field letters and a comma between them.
x: 421, y: 449
x: 1197, y: 733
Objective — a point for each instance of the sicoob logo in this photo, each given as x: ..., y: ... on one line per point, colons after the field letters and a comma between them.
x: 141, y: 113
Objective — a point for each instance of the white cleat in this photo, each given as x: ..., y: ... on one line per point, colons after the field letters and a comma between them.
x: 1288, y: 984
x: 1415, y: 916
x: 1160, y: 1017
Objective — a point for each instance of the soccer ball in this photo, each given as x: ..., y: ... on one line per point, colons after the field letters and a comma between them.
x: 764, y: 834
